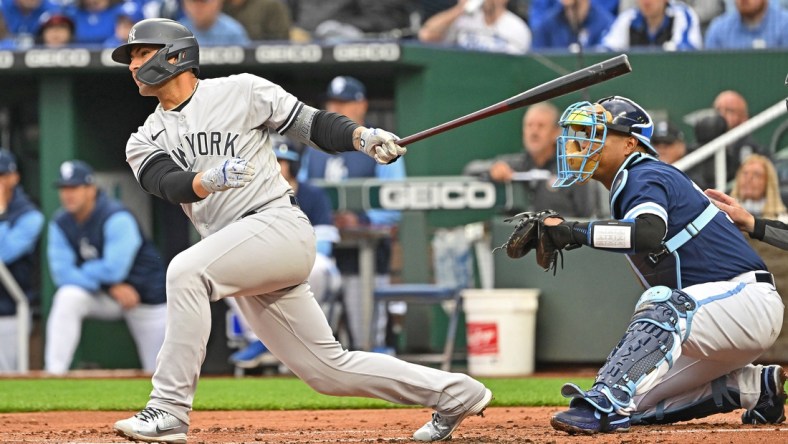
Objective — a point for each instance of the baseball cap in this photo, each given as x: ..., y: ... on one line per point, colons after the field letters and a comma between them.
x: 74, y: 173
x: 48, y: 19
x: 346, y: 89
x: 666, y: 131
x: 7, y: 161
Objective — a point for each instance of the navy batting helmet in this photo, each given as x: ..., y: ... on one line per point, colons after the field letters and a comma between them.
x: 176, y: 41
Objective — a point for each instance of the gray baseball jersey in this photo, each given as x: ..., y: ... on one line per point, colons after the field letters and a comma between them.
x: 262, y: 259
x: 212, y: 129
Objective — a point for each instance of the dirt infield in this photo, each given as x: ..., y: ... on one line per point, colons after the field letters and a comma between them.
x: 500, y: 424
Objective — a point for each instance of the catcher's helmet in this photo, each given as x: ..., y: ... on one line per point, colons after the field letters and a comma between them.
x: 585, y: 128
x: 176, y: 41
x: 629, y: 118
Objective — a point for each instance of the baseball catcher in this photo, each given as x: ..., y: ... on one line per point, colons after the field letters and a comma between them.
x: 710, y: 308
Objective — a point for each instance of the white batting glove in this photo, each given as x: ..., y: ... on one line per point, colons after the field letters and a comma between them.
x: 232, y: 173
x: 381, y: 145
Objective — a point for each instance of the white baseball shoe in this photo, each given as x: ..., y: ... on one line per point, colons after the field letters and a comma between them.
x: 441, y: 427
x: 153, y: 425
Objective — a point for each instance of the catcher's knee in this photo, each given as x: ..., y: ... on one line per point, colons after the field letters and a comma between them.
x: 650, y: 345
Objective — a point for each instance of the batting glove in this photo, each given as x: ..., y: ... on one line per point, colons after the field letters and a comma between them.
x: 381, y: 145
x: 232, y: 173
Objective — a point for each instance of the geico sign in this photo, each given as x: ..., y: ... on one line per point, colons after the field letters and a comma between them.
x: 367, y: 52
x: 288, y: 53
x: 51, y: 58
x: 437, y: 195
x: 221, y: 55
x: 6, y: 59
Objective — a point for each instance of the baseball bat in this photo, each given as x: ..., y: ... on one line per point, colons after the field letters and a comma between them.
x: 571, y: 82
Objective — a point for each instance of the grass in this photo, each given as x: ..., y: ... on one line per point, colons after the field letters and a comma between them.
x: 279, y: 393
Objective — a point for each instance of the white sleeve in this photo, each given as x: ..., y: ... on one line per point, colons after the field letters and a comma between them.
x: 271, y: 105
x: 617, y: 37
x: 140, y: 150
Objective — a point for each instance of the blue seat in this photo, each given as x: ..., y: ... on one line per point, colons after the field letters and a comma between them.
x: 424, y: 294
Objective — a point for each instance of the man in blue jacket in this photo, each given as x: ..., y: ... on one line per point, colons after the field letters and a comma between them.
x: 103, y: 268
x: 20, y: 227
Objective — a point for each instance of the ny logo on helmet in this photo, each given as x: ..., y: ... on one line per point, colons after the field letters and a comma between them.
x: 131, y: 35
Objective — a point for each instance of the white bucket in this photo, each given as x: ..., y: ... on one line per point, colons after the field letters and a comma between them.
x: 501, y: 329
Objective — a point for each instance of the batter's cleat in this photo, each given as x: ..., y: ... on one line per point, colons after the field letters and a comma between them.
x: 583, y: 418
x: 254, y: 355
x: 770, y: 408
x: 153, y: 425
x: 441, y: 427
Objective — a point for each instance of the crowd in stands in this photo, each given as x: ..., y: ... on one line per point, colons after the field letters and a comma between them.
x: 509, y: 26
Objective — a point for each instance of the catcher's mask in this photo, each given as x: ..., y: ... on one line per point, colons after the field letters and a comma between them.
x: 176, y: 41
x: 585, y: 127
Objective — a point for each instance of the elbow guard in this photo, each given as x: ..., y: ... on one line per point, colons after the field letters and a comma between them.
x: 645, y: 233
x: 333, y: 132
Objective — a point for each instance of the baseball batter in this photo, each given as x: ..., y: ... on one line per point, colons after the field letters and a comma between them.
x: 711, y: 307
x: 207, y: 147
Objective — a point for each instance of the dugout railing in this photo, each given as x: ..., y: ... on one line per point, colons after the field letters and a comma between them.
x: 23, y: 318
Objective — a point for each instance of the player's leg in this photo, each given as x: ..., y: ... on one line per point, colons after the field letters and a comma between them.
x: 71, y: 305
x: 714, y: 374
x: 662, y: 320
x: 235, y: 261
x: 147, y: 324
x: 293, y: 326
x: 668, y: 403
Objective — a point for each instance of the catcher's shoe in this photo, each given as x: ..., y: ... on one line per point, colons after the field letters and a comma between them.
x: 770, y: 408
x: 153, y: 425
x: 583, y: 418
x: 441, y: 427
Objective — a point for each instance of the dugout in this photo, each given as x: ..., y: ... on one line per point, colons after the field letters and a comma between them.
x: 77, y: 103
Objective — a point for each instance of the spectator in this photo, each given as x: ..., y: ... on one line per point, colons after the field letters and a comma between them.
x: 757, y: 188
x: 537, y: 162
x: 103, y: 268
x: 128, y: 14
x: 57, y: 31
x: 337, y: 20
x: 481, y: 26
x: 20, y: 227
x: 755, y: 24
x: 669, y: 141
x: 706, y: 129
x: 23, y: 20
x: 324, y: 278
x: 571, y: 23
x: 539, y: 9
x: 94, y: 20
x: 262, y: 19
x: 706, y: 9
x: 210, y: 25
x: 666, y: 24
x: 732, y: 106
x: 347, y: 96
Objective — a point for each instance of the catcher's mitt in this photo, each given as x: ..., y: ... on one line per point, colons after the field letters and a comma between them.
x: 530, y: 233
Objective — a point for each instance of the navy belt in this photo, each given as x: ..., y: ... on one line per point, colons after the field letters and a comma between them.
x: 765, y: 278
